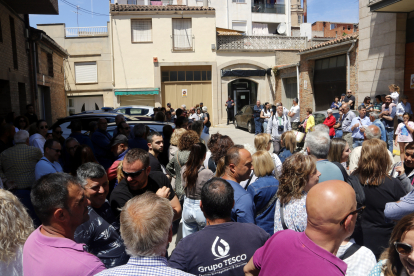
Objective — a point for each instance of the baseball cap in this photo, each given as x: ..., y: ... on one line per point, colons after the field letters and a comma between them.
x: 168, y: 104
x: 201, y: 103
x: 119, y: 139
x: 343, y: 94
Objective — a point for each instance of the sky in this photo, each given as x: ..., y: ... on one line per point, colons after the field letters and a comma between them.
x: 318, y: 10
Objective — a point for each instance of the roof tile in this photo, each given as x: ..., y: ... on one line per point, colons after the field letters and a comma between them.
x: 127, y: 8
x: 333, y: 41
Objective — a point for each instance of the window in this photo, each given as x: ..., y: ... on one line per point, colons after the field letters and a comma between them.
x: 349, y: 28
x: 240, y: 26
x: 333, y: 26
x: 182, y: 34
x: 132, y: 2
x: 86, y: 72
x: 138, y: 111
x: 239, y: 1
x: 141, y: 30
x: 299, y: 19
x: 50, y: 64
x: 186, y: 76
x: 14, y: 43
x: 123, y: 111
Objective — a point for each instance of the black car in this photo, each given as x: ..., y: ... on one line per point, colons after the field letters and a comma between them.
x: 245, y: 118
x: 153, y: 126
x: 64, y: 123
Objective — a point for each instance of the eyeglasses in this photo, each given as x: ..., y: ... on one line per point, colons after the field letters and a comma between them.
x: 44, y: 127
x: 57, y: 150
x: 403, y: 248
x: 133, y: 174
x: 357, y: 211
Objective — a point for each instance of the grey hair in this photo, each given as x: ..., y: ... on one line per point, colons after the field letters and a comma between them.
x: 361, y: 107
x: 322, y: 128
x: 145, y: 225
x: 372, y: 132
x: 139, y: 130
x: 318, y: 143
x: 70, y: 139
x: 204, y: 108
x: 21, y: 137
x: 89, y: 170
x: 374, y: 115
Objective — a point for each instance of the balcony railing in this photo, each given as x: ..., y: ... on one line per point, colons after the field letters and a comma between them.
x: 86, y: 31
x: 268, y: 8
x: 259, y: 43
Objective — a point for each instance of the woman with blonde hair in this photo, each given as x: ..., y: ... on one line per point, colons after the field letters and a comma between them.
x: 16, y: 226
x: 395, y: 93
x: 263, y: 190
x: 374, y: 188
x: 299, y: 175
x: 288, y: 144
x: 397, y: 259
x: 263, y: 141
x: 175, y: 137
x: 187, y: 139
x: 339, y: 152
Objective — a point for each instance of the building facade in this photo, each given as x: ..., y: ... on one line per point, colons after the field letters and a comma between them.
x: 387, y: 44
x: 333, y: 29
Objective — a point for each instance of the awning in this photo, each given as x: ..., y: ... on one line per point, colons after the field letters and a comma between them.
x: 246, y: 73
x: 148, y: 91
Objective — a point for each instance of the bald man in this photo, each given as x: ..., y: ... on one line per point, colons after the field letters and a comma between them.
x: 332, y: 213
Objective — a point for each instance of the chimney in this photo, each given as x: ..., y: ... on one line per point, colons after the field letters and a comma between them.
x: 205, y: 3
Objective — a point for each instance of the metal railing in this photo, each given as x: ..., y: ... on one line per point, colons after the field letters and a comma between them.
x: 86, y: 31
x: 182, y: 42
x: 260, y: 43
x: 268, y: 8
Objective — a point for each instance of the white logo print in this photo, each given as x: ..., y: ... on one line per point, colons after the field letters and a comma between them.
x: 222, y: 253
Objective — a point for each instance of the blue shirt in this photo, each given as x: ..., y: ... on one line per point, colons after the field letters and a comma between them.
x: 243, y: 209
x: 389, y: 124
x: 101, y: 141
x: 283, y: 154
x: 139, y: 143
x: 380, y: 125
x: 262, y: 191
x: 329, y: 171
x: 363, y: 122
x: 333, y: 106
x: 346, y: 121
x: 396, y: 211
x: 44, y: 167
x: 257, y: 110
x: 155, y: 266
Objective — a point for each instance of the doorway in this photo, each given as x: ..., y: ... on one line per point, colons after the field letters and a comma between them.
x: 45, y: 104
x: 243, y: 92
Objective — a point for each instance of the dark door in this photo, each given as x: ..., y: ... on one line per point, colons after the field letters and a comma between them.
x: 329, y: 80
x: 242, y: 98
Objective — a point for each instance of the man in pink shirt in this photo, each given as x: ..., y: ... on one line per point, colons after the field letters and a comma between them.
x: 60, y: 202
x: 332, y: 213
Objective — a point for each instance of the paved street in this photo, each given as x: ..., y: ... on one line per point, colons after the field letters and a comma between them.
x: 239, y: 136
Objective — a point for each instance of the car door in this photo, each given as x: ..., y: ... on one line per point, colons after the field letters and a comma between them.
x: 247, y: 115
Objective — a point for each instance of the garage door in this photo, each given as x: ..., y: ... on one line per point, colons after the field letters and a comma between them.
x: 329, y: 80
x: 137, y: 100
x: 80, y: 104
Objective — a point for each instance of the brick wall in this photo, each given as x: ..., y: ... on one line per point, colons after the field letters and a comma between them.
x: 338, y: 31
x: 8, y: 74
x: 55, y: 82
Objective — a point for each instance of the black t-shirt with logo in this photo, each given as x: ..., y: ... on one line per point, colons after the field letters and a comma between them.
x: 121, y: 194
x: 222, y: 249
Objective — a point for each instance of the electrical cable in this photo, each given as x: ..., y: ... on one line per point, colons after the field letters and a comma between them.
x: 82, y: 9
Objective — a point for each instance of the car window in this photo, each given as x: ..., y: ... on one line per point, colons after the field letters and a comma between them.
x: 138, y: 111
x: 336, y: 115
x: 65, y: 129
x: 121, y: 111
x: 319, y: 118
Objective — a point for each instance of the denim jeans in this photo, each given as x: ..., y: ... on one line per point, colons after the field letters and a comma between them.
x: 193, y: 217
x: 264, y: 127
x: 206, y: 130
x: 357, y: 143
x: 390, y: 138
x: 257, y: 126
x: 338, y: 133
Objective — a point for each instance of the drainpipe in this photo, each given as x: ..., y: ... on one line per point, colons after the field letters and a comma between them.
x: 349, y: 64
x: 298, y: 82
x: 227, y: 14
x: 34, y: 64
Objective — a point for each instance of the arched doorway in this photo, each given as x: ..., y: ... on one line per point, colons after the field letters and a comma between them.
x: 243, y: 92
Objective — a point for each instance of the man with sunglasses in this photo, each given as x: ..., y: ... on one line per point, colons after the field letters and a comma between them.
x: 49, y: 162
x: 332, y: 213
x: 350, y: 99
x: 138, y: 180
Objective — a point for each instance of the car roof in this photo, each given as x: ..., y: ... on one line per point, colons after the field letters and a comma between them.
x: 101, y: 114
x: 134, y: 106
x: 132, y: 122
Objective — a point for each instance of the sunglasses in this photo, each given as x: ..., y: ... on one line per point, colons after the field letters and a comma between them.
x: 133, y: 174
x: 403, y: 248
x: 357, y: 211
x: 44, y: 127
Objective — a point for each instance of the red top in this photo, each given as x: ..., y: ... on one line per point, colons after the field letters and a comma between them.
x: 330, y: 122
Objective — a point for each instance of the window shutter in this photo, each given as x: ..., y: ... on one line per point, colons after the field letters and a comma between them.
x: 141, y: 30
x: 183, y: 38
x: 86, y: 72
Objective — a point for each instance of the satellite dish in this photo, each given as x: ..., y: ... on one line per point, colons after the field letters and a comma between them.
x: 281, y: 28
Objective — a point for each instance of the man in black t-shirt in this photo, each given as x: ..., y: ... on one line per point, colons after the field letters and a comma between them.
x: 223, y: 247
x: 31, y: 116
x: 138, y: 179
x: 350, y: 99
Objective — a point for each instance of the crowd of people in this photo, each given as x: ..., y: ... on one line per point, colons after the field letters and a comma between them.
x: 108, y: 205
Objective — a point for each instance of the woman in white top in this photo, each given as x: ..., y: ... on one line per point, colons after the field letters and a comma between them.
x: 16, y: 226
x: 395, y: 93
x: 265, y: 114
x: 38, y: 139
x: 263, y: 141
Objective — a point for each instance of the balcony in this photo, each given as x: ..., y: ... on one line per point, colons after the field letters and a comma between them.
x: 34, y: 7
x: 86, y: 31
x: 391, y: 5
x: 269, y: 8
x: 250, y: 43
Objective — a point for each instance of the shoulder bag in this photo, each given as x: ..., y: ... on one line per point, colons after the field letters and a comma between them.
x: 282, y: 219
